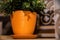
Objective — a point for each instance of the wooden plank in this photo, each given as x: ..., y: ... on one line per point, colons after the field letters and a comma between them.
x: 46, y: 31
x: 46, y: 27
x: 47, y: 35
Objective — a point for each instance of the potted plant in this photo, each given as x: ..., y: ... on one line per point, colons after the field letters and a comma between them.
x: 23, y: 14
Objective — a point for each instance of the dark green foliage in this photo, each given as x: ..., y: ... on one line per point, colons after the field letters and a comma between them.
x: 31, y: 5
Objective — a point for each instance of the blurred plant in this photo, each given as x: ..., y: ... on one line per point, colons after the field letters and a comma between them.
x: 4, y: 4
x: 31, y: 5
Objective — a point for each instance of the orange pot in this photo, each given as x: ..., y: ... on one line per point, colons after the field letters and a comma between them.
x: 23, y: 22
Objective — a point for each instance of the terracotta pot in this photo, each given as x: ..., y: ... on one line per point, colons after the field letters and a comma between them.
x: 23, y: 22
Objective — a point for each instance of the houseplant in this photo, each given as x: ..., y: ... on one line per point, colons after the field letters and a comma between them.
x: 23, y: 14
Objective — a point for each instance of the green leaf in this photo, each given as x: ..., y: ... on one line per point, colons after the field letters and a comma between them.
x: 12, y: 5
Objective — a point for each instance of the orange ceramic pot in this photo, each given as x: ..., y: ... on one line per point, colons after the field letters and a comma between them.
x: 23, y: 22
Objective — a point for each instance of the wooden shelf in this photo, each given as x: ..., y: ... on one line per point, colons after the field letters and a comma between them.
x: 10, y: 38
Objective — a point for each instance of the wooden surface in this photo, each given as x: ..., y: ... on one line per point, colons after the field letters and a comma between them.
x: 10, y: 38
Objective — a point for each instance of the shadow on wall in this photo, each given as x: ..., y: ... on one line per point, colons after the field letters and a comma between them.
x: 7, y: 30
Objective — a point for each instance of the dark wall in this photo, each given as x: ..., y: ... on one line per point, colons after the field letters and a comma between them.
x: 7, y: 30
